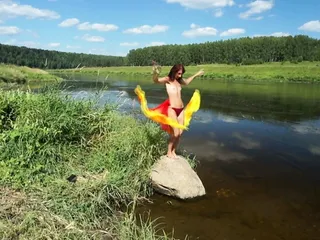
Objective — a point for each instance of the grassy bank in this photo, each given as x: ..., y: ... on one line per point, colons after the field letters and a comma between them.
x: 70, y: 170
x: 279, y: 72
x: 20, y: 75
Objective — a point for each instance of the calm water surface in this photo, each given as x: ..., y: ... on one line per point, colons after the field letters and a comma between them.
x: 259, y: 144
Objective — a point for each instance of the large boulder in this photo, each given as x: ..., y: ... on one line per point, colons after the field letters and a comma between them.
x: 175, y: 177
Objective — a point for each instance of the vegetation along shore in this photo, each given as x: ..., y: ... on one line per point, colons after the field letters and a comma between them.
x: 22, y: 74
x: 71, y: 170
x: 274, y: 72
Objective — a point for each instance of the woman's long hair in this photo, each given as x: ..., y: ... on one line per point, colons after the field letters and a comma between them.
x: 174, y: 71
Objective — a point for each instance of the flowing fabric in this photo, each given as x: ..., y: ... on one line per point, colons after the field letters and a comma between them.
x: 159, y: 114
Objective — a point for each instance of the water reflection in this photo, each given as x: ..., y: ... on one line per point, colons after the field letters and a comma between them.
x: 246, y: 142
x: 307, y: 127
x: 315, y: 150
x: 227, y: 119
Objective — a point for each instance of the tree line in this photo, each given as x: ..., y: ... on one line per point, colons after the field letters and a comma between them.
x: 38, y: 58
x: 233, y: 51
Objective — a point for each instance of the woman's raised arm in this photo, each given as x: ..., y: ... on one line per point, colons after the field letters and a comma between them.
x: 156, y: 73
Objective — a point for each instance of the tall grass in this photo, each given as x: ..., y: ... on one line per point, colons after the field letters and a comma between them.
x: 72, y: 170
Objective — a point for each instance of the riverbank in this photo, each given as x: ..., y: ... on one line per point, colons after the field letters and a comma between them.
x: 72, y: 170
x: 21, y: 75
x: 274, y: 72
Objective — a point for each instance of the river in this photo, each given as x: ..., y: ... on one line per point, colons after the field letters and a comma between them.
x: 258, y: 152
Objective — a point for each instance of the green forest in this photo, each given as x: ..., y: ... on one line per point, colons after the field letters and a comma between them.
x: 48, y: 59
x: 234, y: 51
x: 244, y: 51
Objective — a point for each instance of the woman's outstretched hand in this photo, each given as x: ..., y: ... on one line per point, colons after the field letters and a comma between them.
x: 200, y: 73
x: 156, y: 68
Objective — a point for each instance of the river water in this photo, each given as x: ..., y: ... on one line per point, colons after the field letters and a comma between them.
x: 258, y: 152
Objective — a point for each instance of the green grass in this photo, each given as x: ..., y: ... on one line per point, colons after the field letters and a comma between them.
x: 72, y: 170
x: 279, y: 72
x: 21, y: 75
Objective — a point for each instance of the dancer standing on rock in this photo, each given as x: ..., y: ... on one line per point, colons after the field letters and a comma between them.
x: 173, y: 116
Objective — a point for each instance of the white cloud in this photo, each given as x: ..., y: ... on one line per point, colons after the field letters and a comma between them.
x: 10, y: 9
x: 69, y: 22
x: 118, y: 54
x: 203, y: 4
x: 218, y: 13
x: 29, y: 44
x: 33, y: 33
x: 9, y: 30
x: 10, y: 42
x: 312, y: 26
x: 129, y: 44
x: 152, y: 44
x: 97, y: 26
x: 54, y: 44
x: 100, y: 51
x: 197, y: 31
x: 89, y: 38
x: 147, y: 29
x: 258, y: 18
x: 72, y: 47
x: 275, y: 34
x: 280, y: 34
x: 232, y: 32
x: 257, y: 7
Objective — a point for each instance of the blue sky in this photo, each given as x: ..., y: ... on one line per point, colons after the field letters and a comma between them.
x: 113, y: 27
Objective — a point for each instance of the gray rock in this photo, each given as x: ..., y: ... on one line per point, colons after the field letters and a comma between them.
x: 175, y: 177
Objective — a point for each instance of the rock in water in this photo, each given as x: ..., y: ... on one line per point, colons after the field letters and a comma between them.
x: 175, y: 177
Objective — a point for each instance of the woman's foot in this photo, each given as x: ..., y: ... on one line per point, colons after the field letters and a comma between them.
x: 172, y: 155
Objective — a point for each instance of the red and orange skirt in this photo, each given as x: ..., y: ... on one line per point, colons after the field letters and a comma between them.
x: 159, y: 114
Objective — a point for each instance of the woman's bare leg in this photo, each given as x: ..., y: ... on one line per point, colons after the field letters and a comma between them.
x: 170, y: 146
x: 175, y: 146
x: 173, y: 137
x: 176, y: 142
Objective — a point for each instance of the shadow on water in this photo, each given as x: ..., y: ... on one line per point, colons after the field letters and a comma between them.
x: 259, y: 158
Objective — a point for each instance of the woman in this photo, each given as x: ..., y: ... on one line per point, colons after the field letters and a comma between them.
x: 172, y: 114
